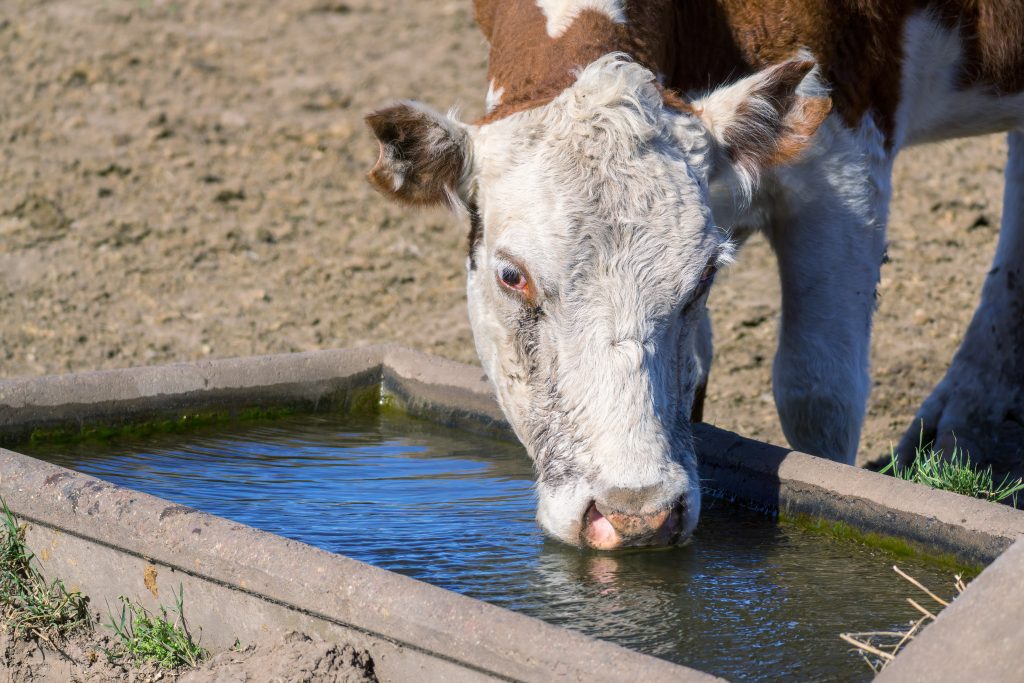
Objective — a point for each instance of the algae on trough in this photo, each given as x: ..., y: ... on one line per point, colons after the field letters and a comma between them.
x: 898, y: 548
x: 363, y: 401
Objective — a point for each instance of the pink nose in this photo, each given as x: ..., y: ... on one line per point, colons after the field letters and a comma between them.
x: 618, y: 530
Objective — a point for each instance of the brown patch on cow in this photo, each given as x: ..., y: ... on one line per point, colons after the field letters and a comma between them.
x: 992, y: 35
x: 483, y: 12
x: 506, y: 108
x: 533, y: 68
x: 858, y: 43
x: 702, y: 44
x: 419, y: 162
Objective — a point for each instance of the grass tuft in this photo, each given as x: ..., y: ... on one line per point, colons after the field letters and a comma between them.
x: 954, y: 473
x: 143, y: 636
x: 29, y: 606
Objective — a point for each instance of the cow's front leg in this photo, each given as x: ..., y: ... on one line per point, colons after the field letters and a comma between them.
x: 829, y: 236
x: 979, y: 404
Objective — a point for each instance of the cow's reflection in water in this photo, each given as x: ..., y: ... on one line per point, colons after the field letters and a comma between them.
x: 745, y: 595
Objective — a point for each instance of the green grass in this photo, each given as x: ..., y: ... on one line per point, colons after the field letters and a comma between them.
x: 33, y: 608
x: 954, y: 473
x: 143, y: 636
x: 29, y: 606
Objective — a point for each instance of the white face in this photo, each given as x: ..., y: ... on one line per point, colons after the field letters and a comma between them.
x: 592, y: 251
x: 586, y: 288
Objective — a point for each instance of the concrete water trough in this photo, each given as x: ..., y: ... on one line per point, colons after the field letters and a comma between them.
x: 247, y: 584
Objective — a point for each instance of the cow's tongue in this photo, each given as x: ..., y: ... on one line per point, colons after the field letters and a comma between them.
x: 598, y: 530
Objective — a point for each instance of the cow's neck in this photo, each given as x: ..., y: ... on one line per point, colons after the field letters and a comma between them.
x: 536, y: 51
x: 695, y: 45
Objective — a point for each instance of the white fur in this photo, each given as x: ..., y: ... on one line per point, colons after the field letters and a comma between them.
x: 494, y: 95
x: 561, y: 13
x: 977, y: 393
x: 830, y: 240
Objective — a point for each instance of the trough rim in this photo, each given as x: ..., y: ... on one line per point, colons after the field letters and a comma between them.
x: 458, y: 395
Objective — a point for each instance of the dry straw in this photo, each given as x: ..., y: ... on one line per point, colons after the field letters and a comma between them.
x: 878, y: 648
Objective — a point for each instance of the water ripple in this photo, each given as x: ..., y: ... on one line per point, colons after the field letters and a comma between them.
x: 747, y: 599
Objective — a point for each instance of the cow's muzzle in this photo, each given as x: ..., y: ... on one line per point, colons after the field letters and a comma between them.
x: 607, y: 529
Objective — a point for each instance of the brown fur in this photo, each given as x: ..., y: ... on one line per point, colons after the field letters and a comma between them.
x: 701, y: 44
x: 800, y: 124
x: 858, y: 42
x: 533, y: 68
x: 993, y: 35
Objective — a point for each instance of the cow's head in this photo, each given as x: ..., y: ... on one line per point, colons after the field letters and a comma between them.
x: 592, y: 248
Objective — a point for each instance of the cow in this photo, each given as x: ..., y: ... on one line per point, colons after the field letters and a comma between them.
x: 629, y: 148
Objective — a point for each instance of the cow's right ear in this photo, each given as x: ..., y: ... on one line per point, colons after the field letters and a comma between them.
x: 766, y: 119
x: 423, y: 154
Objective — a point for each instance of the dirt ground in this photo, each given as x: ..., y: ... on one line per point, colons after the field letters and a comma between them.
x: 184, y: 179
x: 294, y: 658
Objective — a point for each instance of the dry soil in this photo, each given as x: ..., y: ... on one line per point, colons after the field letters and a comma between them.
x: 293, y: 658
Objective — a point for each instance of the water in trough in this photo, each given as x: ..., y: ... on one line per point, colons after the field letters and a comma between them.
x: 747, y: 599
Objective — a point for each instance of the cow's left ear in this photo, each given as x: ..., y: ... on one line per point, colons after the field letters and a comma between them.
x: 768, y: 118
x: 423, y: 154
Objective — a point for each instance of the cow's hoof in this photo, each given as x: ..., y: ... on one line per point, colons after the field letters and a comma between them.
x: 977, y: 412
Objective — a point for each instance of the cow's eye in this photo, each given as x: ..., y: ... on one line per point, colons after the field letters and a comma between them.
x: 512, y: 278
x: 709, y: 271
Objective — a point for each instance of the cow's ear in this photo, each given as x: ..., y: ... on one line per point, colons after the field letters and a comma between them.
x: 423, y: 154
x: 768, y: 118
